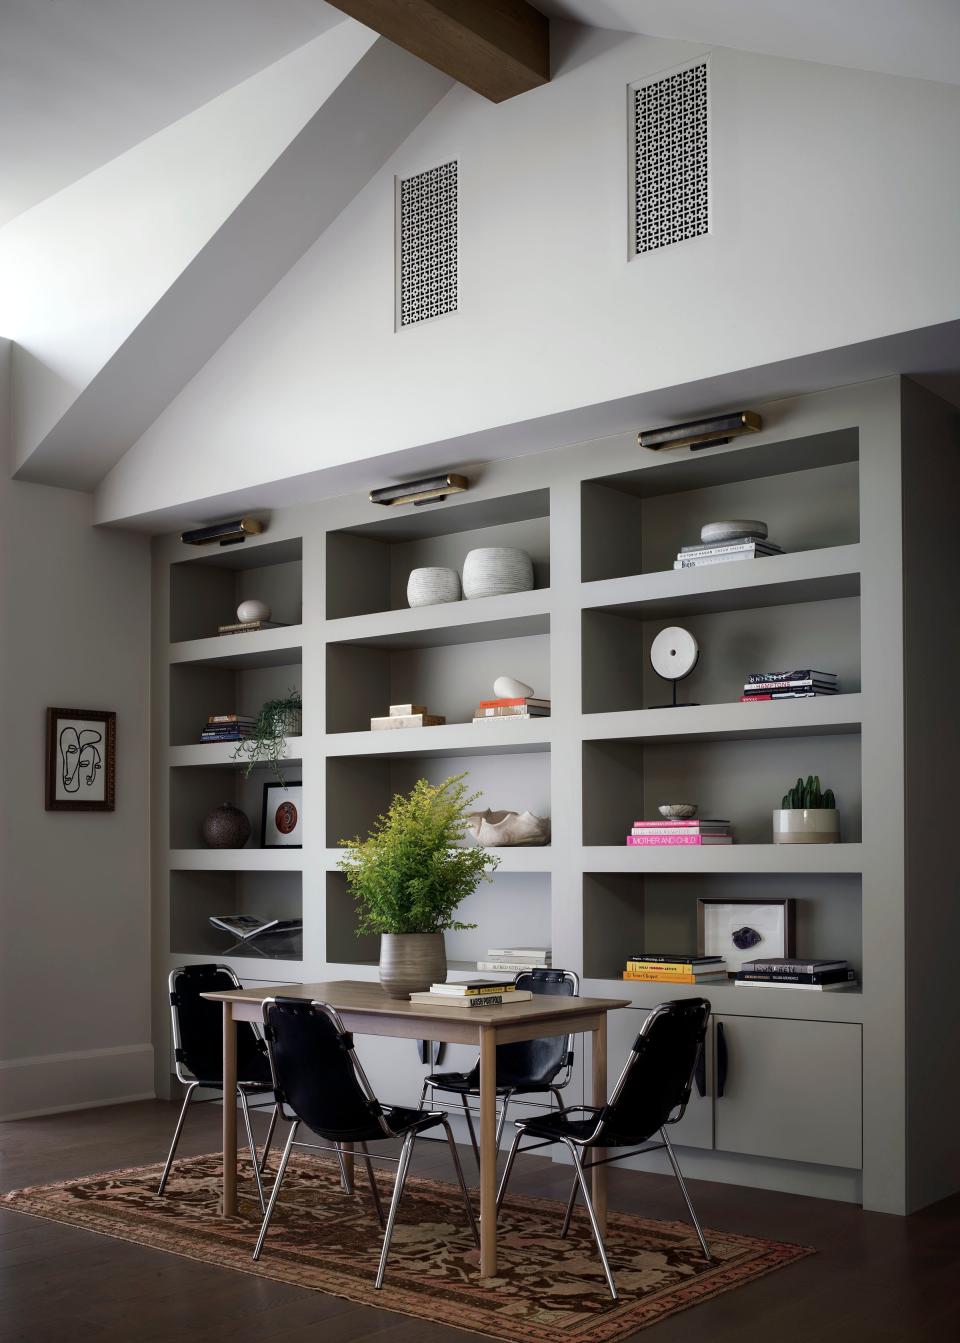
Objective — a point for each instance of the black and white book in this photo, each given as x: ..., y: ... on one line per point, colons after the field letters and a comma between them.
x: 780, y: 977
x: 731, y: 548
x: 801, y: 674
x: 792, y: 966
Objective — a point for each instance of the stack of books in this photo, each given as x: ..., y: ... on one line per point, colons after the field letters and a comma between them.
x: 681, y: 968
x: 496, y: 710
x: 719, y: 552
x: 801, y: 684
x: 778, y: 972
x: 407, y: 715
x: 651, y: 834
x: 249, y: 626
x: 228, y: 727
x: 473, y: 993
x: 515, y: 959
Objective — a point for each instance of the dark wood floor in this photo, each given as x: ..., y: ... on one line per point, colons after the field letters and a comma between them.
x: 876, y: 1278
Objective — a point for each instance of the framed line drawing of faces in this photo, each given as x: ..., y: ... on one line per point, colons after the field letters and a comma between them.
x: 81, y: 760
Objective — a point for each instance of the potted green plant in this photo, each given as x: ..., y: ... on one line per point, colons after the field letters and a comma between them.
x: 267, y: 745
x: 807, y: 815
x: 409, y: 877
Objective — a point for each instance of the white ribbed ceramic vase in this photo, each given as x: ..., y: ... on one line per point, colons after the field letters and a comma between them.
x: 429, y: 587
x: 494, y: 570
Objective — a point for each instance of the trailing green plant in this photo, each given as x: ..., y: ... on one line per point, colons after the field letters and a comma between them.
x: 808, y: 796
x: 411, y: 872
x: 277, y: 720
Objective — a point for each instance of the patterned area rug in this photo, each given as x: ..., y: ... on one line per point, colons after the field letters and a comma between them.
x: 547, y: 1290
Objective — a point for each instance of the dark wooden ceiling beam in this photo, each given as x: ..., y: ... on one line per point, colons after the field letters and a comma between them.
x: 498, y: 48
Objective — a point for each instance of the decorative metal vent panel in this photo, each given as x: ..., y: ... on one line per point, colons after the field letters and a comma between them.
x: 671, y: 197
x: 427, y: 245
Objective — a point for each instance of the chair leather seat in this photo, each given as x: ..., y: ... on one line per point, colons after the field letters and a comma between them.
x: 402, y: 1119
x: 468, y: 1084
x: 558, y: 1125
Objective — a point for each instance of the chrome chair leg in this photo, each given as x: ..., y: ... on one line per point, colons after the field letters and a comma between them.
x: 252, y: 1145
x: 281, y: 1171
x: 555, y: 1092
x: 571, y: 1201
x: 686, y: 1197
x: 394, y: 1205
x: 346, y: 1183
x: 270, y: 1132
x: 176, y: 1137
x: 470, y: 1129
x: 423, y: 1093
x: 502, y: 1120
x: 461, y: 1182
x: 511, y: 1158
x: 373, y: 1185
x: 584, y: 1189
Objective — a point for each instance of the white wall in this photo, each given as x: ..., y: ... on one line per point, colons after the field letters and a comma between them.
x: 835, y: 199
x: 74, y: 888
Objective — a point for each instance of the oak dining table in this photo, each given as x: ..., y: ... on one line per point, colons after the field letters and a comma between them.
x: 367, y: 1010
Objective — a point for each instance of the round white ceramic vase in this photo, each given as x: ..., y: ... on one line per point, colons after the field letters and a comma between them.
x: 495, y: 570
x: 252, y: 609
x: 806, y: 825
x: 430, y: 587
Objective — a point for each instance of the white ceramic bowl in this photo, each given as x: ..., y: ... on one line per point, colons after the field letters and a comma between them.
x: 735, y: 529
x: 253, y: 610
x: 430, y: 587
x: 494, y: 570
x: 677, y: 811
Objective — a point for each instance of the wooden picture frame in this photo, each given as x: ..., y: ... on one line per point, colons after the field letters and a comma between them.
x: 274, y: 831
x: 716, y: 918
x: 81, y: 759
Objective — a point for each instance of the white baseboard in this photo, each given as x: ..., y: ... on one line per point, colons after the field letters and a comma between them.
x: 83, y: 1079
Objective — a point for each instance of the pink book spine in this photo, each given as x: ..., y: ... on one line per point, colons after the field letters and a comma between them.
x: 635, y: 840
x: 659, y: 824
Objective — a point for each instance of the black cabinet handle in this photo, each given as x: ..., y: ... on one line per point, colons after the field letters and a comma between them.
x: 700, y: 1073
x: 721, y: 1059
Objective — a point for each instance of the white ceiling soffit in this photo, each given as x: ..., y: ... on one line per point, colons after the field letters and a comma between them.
x: 920, y: 38
x: 81, y: 81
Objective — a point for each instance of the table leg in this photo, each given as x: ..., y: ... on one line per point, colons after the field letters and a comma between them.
x: 229, y: 1112
x: 599, y: 1174
x: 488, y: 1151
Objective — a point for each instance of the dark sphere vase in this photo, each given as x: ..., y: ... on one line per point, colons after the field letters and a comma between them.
x: 227, y: 827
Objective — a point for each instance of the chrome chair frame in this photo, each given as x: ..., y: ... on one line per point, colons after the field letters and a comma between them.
x: 191, y: 1083
x: 508, y: 1095
x: 577, y: 1147
x: 402, y: 1162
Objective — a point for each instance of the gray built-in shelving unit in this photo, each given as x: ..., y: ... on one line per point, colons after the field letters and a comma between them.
x: 828, y: 1094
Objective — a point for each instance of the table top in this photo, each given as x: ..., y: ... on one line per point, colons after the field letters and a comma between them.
x: 352, y: 995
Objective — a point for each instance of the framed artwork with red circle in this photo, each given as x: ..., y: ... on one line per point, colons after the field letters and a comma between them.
x: 282, y: 823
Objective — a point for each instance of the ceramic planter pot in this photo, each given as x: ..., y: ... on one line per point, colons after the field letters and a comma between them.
x: 411, y: 962
x: 494, y: 570
x: 430, y: 587
x: 806, y: 825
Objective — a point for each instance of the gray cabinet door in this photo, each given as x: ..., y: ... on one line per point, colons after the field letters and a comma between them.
x: 695, y: 1129
x: 792, y: 1089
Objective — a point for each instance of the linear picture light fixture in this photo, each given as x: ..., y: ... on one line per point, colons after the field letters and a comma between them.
x: 698, y: 434
x: 227, y: 533
x: 429, y: 490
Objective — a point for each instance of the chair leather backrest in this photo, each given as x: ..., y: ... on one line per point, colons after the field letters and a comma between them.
x: 660, y: 1071
x: 536, y: 1062
x: 200, y: 1026
x: 314, y: 1072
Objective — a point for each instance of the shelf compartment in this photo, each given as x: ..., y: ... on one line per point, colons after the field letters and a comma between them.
x: 250, y: 970
x: 364, y: 677
x: 450, y: 739
x: 249, y: 859
x: 196, y: 895
x: 519, y: 858
x: 373, y: 561
x: 627, y: 914
x: 741, y: 779
x: 781, y: 1004
x: 261, y: 648
x: 512, y: 908
x: 827, y: 715
x: 727, y: 859
x: 214, y: 755
x: 513, y: 615
x: 360, y: 788
x: 805, y: 489
x: 206, y: 589
x: 198, y: 689
x: 194, y: 792
x: 616, y: 641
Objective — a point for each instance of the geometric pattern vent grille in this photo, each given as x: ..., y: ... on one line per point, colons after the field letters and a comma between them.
x: 670, y: 168
x: 427, y: 254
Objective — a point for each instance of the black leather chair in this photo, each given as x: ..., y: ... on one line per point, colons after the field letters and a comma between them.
x: 319, y: 1081
x: 652, y: 1091
x: 529, y: 1067
x: 198, y: 1053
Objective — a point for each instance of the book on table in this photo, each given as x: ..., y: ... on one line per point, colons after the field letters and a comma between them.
x: 471, y: 988
x: 541, y: 954
x: 475, y: 1000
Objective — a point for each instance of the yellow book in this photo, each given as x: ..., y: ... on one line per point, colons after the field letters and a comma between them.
x: 649, y: 978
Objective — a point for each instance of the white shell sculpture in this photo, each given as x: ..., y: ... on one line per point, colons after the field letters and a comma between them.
x: 508, y: 687
x: 429, y: 587
x: 253, y: 610
x: 494, y: 570
x: 501, y: 829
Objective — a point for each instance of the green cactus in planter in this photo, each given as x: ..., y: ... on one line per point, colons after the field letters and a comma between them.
x: 808, y: 796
